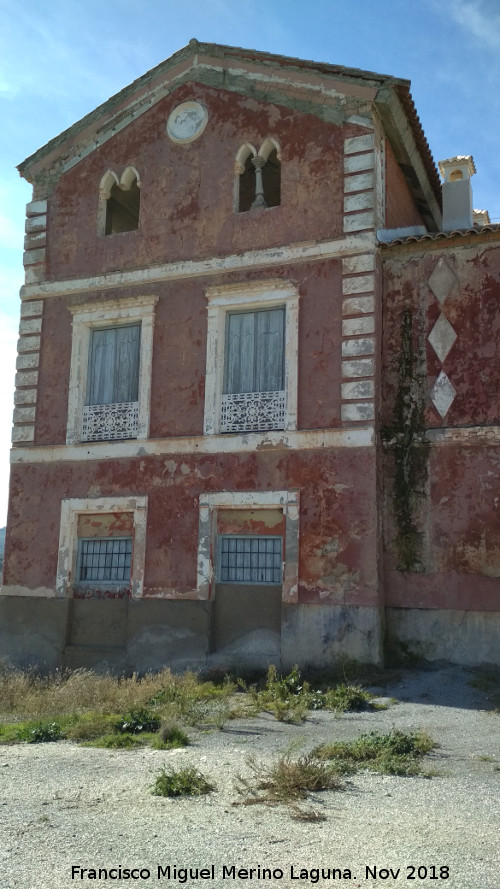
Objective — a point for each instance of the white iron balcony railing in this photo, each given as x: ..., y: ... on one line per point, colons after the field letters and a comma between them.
x: 108, y: 422
x: 253, y: 411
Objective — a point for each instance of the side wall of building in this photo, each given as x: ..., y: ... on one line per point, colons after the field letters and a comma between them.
x: 441, y: 430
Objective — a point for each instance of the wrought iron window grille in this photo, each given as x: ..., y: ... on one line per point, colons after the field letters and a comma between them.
x: 252, y: 560
x: 104, y: 560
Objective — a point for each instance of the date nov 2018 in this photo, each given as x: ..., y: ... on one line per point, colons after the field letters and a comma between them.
x: 410, y: 872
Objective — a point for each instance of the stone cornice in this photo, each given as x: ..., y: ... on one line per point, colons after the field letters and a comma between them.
x: 195, y: 268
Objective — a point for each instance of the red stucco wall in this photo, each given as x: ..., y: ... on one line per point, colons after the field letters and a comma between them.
x: 187, y: 190
x: 179, y: 352
x: 338, y: 524
x: 400, y: 208
x: 471, y: 307
x: 455, y: 502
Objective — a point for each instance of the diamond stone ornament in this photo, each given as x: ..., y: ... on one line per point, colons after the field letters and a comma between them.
x: 441, y: 281
x: 442, y: 337
x: 443, y: 394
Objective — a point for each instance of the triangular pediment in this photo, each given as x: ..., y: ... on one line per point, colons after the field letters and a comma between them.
x: 334, y: 93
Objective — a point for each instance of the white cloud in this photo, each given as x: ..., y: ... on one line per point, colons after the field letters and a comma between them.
x: 480, y: 18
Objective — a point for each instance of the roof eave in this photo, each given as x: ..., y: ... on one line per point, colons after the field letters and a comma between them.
x: 405, y: 133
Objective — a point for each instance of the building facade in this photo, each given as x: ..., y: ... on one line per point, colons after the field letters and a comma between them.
x: 257, y: 416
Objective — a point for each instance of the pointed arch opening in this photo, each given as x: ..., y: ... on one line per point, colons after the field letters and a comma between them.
x: 257, y: 176
x: 271, y: 172
x: 122, y: 208
x: 119, y: 202
x: 244, y: 186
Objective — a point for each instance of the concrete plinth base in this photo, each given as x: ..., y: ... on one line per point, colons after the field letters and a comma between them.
x: 167, y: 633
x: 33, y: 632
x: 99, y: 659
x: 123, y: 636
x: 320, y: 636
x: 470, y: 638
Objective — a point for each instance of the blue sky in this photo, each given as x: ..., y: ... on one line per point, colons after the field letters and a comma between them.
x: 59, y: 59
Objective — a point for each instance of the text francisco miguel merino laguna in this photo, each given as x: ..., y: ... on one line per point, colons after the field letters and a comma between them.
x: 224, y: 871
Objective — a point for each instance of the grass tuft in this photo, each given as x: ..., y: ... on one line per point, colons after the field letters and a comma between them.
x: 170, y: 737
x: 286, y: 780
x: 184, y: 782
x: 115, y: 742
x: 32, y: 696
x: 290, y: 698
x: 347, y: 698
x: 394, y: 753
x: 107, y: 704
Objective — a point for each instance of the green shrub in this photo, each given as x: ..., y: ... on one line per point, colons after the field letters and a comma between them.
x: 137, y: 721
x: 347, y: 698
x: 283, y: 696
x: 170, y: 737
x: 289, y: 698
x: 281, y: 688
x: 184, y: 782
x: 395, y: 753
x: 40, y: 733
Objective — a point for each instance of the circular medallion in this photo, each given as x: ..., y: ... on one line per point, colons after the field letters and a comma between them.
x: 187, y: 122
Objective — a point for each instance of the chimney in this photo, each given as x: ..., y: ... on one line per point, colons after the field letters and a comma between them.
x: 481, y: 217
x: 457, y: 192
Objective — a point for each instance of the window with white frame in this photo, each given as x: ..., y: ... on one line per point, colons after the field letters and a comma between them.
x: 248, y: 559
x: 112, y: 402
x: 110, y: 378
x: 102, y: 544
x: 254, y: 395
x: 209, y: 570
x: 251, y: 379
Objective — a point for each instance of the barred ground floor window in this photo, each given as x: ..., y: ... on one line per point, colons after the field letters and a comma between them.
x: 250, y: 559
x: 104, y: 560
x: 102, y: 545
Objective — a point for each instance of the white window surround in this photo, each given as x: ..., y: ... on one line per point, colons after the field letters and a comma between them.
x: 287, y: 501
x: 107, y: 314
x: 68, y: 538
x: 240, y: 297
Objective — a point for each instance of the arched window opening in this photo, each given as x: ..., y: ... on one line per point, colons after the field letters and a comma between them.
x: 246, y: 185
x: 258, y: 176
x: 271, y: 179
x: 122, y: 208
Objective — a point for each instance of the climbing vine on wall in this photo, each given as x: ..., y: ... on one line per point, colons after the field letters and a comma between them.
x: 407, y: 442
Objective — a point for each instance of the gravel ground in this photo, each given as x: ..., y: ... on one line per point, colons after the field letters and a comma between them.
x: 64, y: 806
